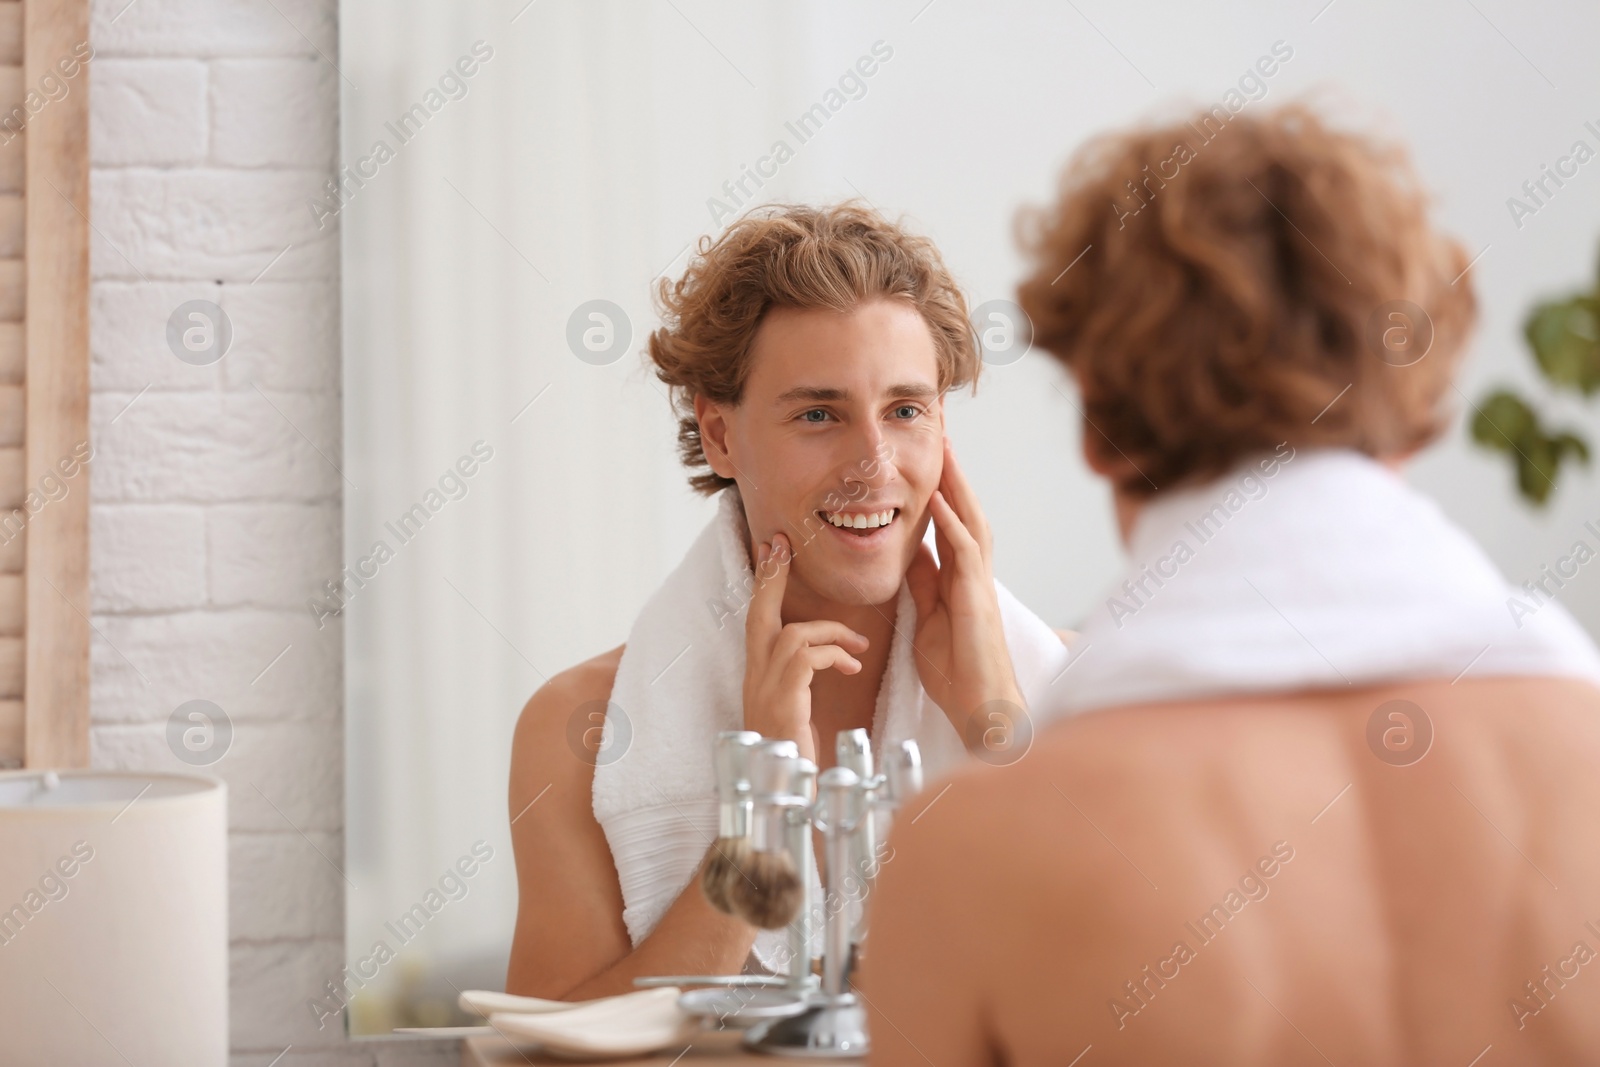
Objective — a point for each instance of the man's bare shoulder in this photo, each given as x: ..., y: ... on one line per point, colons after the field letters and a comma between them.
x: 590, y: 680
x: 560, y: 713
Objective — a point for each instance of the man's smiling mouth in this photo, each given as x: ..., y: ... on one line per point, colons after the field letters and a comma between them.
x: 861, y: 523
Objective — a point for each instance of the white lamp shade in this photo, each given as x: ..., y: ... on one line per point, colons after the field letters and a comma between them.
x: 113, y: 918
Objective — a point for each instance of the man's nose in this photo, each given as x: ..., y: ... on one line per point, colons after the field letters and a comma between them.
x: 872, y: 459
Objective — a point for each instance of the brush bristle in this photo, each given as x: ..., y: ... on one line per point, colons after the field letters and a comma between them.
x: 769, y: 893
x: 722, y: 868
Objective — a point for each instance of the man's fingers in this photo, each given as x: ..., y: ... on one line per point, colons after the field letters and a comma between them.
x: 956, y: 543
x: 765, y: 618
x: 963, y: 499
x: 923, y: 578
x: 821, y: 657
x: 812, y: 658
x: 797, y: 635
x: 947, y: 554
x: 805, y: 647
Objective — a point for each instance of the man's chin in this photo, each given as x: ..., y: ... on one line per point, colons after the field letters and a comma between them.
x: 876, y: 585
x: 853, y: 577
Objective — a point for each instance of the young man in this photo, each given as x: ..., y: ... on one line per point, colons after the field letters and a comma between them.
x: 1336, y: 803
x: 808, y: 352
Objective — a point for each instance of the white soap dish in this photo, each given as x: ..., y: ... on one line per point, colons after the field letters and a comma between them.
x: 628, y: 1025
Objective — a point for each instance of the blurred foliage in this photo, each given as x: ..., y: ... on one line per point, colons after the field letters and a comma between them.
x: 1565, y: 338
x: 1506, y: 422
x: 1566, y: 342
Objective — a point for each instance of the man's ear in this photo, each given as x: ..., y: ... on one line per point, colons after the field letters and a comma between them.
x: 1093, y: 444
x: 713, y: 435
x: 1093, y: 452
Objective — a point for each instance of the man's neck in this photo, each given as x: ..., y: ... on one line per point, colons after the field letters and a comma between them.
x: 844, y: 701
x: 801, y: 605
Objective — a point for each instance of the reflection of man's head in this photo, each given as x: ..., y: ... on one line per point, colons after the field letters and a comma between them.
x: 1244, y: 278
x: 808, y: 351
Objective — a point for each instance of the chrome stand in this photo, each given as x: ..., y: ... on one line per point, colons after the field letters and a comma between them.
x: 833, y: 1024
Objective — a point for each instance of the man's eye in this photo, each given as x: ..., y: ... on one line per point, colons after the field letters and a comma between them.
x: 814, y: 411
x: 915, y: 411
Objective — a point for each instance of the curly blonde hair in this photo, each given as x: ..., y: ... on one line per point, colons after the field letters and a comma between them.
x: 1216, y: 294
x: 796, y: 256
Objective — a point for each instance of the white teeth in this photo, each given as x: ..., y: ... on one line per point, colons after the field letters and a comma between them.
x: 861, y: 522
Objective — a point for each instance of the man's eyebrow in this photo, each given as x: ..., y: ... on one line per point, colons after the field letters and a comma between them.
x: 902, y: 391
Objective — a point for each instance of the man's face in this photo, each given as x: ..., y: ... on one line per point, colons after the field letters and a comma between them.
x: 841, y: 417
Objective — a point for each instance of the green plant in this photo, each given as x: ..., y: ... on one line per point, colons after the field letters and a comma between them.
x: 1565, y: 338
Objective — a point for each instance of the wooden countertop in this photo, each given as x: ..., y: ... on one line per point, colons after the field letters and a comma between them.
x: 719, y: 1045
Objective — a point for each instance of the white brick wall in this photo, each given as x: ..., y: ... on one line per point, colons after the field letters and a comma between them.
x: 216, y: 502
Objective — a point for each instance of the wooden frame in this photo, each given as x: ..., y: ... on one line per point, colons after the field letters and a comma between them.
x: 44, y: 383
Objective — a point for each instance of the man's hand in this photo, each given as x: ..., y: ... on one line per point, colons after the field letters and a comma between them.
x: 962, y: 658
x: 780, y: 660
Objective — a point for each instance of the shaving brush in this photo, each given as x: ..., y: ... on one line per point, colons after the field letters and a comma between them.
x: 730, y: 855
x: 771, y: 893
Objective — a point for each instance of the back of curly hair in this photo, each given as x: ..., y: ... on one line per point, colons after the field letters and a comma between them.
x: 1216, y: 290
x: 790, y: 255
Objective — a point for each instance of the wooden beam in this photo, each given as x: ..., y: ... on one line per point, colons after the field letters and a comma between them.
x: 10, y: 732
x: 56, y: 381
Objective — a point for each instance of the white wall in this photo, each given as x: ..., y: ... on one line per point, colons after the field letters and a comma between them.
x: 215, y: 500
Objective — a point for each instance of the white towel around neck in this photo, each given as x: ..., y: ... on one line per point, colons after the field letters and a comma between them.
x: 1328, y: 571
x: 680, y: 681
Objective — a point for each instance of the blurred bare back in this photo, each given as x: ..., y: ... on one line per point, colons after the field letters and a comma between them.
x: 1404, y: 874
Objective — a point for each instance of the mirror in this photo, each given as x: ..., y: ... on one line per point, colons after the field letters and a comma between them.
x: 518, y: 176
